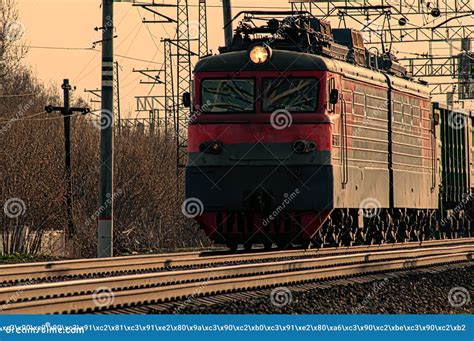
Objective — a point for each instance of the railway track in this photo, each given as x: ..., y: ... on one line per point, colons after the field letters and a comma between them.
x: 15, y: 274
x: 111, y: 292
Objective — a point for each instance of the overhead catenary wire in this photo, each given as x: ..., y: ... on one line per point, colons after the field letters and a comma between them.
x: 219, y: 6
x: 64, y: 48
x: 93, y: 57
x: 22, y: 118
x: 29, y: 118
x: 14, y: 119
x: 20, y: 95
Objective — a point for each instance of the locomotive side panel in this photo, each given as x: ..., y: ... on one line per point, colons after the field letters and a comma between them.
x: 361, y: 166
x: 472, y: 155
x: 413, y: 147
x: 471, y: 165
x: 347, y: 132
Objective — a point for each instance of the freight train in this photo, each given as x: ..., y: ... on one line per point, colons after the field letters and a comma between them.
x: 300, y: 135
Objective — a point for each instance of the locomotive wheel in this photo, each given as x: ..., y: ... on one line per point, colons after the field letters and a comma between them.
x: 317, y: 243
x: 248, y: 246
x: 394, y: 226
x: 282, y: 245
x: 267, y: 245
x: 233, y: 246
x: 306, y: 244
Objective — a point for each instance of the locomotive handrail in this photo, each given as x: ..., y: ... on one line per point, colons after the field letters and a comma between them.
x: 344, y: 150
x: 267, y: 13
x: 433, y: 156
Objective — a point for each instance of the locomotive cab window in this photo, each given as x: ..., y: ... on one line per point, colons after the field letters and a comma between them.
x: 228, y: 95
x: 292, y: 94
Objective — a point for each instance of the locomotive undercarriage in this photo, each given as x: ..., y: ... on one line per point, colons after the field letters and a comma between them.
x: 350, y: 227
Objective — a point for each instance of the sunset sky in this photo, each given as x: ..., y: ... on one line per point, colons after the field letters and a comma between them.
x: 70, y: 24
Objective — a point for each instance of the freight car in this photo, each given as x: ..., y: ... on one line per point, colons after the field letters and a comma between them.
x: 300, y: 135
x: 454, y: 129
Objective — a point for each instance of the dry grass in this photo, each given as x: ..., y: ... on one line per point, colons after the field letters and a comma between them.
x: 147, y: 206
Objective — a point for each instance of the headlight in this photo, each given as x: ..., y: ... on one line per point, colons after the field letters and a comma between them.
x: 303, y: 146
x: 211, y: 147
x: 259, y: 54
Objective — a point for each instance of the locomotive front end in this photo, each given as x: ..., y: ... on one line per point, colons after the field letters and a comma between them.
x: 259, y: 162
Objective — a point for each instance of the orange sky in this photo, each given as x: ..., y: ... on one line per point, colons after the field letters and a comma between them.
x: 70, y: 23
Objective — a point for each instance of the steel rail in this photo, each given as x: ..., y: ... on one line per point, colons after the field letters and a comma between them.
x: 79, y: 295
x: 69, y: 268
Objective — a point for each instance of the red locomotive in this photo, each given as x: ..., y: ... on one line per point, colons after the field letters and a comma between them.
x: 300, y: 135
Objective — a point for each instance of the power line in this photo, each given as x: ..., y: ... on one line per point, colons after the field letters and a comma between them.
x: 57, y: 48
x: 84, y: 69
x: 19, y: 95
x: 243, y: 7
x: 120, y: 44
x: 29, y: 118
x: 86, y: 49
x: 246, y: 7
x: 23, y: 118
x: 149, y: 32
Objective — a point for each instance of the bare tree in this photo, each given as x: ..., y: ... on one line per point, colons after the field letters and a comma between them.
x: 147, y: 205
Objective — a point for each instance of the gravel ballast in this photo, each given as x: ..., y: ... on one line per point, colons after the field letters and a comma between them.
x: 449, y: 291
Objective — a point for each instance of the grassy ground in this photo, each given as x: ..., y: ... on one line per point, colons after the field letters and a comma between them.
x: 25, y: 258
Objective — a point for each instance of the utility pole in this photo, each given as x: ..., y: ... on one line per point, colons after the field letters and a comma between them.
x: 117, y: 98
x: 227, y: 8
x: 67, y: 148
x: 97, y: 93
x: 170, y: 107
x: 184, y: 74
x: 106, y: 202
x: 95, y: 99
x: 67, y: 111
x: 203, y: 41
